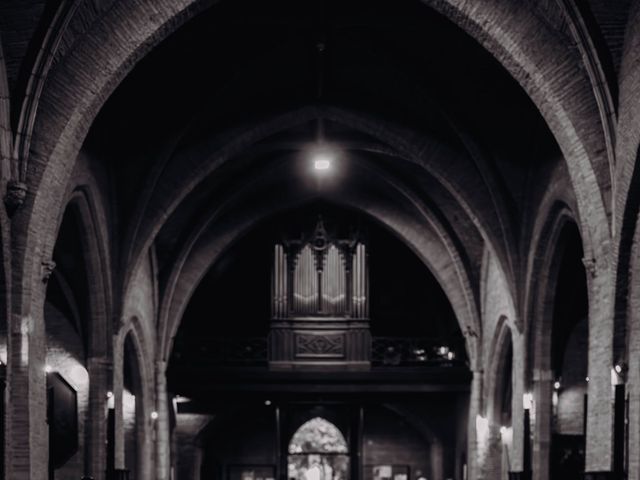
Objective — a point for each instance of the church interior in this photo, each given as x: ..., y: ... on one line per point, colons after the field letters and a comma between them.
x: 320, y: 240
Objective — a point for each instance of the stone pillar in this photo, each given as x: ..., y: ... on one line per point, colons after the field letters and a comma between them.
x: 96, y: 459
x: 118, y: 387
x: 516, y: 450
x: 496, y: 455
x: 599, y: 441
x: 542, y: 420
x: 26, y: 422
x: 163, y: 439
x: 475, y: 409
x: 633, y: 387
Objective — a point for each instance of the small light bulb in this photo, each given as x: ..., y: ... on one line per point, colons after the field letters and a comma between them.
x: 556, y: 385
x: 47, y: 368
x: 322, y: 164
x: 154, y: 415
x: 267, y: 402
x: 618, y: 369
x: 587, y: 379
x: 109, y: 394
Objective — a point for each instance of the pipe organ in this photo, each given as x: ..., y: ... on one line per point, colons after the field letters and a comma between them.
x: 320, y: 302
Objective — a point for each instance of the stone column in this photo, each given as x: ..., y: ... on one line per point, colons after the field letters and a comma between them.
x: 96, y: 435
x: 542, y: 394
x: 118, y: 387
x: 26, y: 423
x: 599, y: 441
x: 516, y: 449
x: 163, y: 440
x: 475, y: 409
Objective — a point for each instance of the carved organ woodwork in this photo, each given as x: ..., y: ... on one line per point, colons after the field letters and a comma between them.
x: 320, y: 305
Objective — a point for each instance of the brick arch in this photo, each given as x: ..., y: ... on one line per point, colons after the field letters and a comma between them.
x: 628, y: 129
x: 96, y: 256
x: 429, y: 243
x: 544, y: 266
x: 187, y: 172
x: 79, y: 84
x: 133, y: 329
x: 82, y: 200
x: 502, y: 339
x: 627, y: 174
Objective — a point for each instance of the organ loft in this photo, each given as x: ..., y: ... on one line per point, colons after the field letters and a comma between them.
x: 320, y: 307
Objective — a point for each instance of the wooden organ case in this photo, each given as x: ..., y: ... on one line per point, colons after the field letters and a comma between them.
x: 320, y: 303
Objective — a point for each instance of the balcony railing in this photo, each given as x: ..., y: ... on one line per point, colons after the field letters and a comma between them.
x: 385, y: 352
x: 414, y: 351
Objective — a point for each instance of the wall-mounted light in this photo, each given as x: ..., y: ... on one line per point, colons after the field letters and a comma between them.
x: 267, y: 402
x: 556, y: 385
x: 587, y: 379
x: 154, y: 415
x: 506, y: 434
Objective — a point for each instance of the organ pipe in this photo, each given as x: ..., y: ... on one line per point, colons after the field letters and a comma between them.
x: 320, y: 277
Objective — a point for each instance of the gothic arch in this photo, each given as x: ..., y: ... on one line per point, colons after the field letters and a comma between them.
x: 67, y: 120
x: 426, y: 153
x: 435, y: 249
x: 131, y: 336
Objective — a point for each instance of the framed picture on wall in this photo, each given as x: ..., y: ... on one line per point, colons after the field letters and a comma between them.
x: 251, y: 472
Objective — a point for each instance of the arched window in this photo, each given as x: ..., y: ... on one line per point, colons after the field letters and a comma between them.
x: 318, y: 451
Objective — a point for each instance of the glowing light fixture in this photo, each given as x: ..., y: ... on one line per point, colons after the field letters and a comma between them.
x: 48, y: 369
x: 154, y: 415
x: 109, y: 394
x: 267, y: 402
x: 556, y: 385
x: 618, y: 369
x: 322, y: 162
x: 506, y: 434
x: 587, y: 379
